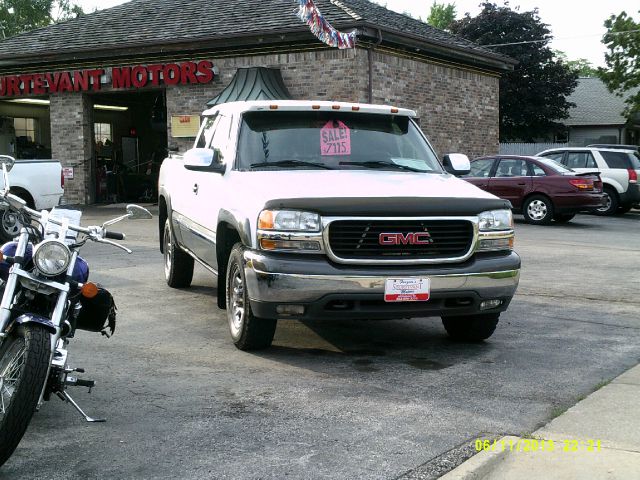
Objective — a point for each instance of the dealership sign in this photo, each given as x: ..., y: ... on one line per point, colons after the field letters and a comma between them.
x: 137, y: 76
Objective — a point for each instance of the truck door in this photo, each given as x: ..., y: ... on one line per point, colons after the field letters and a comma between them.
x: 207, y: 194
x: 182, y: 199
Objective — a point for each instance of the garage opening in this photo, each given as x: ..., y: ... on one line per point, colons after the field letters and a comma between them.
x: 25, y: 128
x: 130, y: 142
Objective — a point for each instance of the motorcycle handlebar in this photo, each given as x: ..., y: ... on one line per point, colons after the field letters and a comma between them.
x: 113, y: 235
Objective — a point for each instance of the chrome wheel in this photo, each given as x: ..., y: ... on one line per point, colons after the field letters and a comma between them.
x: 11, y: 366
x: 10, y: 224
x: 168, y: 251
x: 537, y: 210
x: 236, y: 299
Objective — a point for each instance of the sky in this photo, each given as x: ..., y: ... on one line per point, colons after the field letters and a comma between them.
x: 577, y: 25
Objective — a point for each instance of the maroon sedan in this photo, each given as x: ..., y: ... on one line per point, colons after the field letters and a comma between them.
x: 539, y: 188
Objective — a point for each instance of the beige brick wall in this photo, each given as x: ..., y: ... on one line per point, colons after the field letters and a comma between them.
x: 458, y: 109
x: 72, y: 143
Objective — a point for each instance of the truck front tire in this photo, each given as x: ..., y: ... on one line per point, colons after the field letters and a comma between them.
x: 472, y: 328
x: 178, y: 265
x: 247, y: 331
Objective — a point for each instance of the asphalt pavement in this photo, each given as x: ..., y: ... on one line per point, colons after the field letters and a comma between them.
x: 334, y: 400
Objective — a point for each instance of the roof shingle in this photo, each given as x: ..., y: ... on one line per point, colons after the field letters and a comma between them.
x: 595, y: 105
x: 149, y: 22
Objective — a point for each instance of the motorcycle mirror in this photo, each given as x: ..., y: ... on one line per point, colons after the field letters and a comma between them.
x: 136, y: 212
x: 7, y: 162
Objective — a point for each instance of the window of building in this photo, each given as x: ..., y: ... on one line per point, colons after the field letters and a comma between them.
x: 103, y: 133
x: 25, y: 127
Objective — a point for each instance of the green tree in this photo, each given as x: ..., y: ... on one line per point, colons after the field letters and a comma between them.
x: 582, y: 66
x: 442, y: 15
x: 622, y: 75
x: 533, y: 97
x: 17, y: 16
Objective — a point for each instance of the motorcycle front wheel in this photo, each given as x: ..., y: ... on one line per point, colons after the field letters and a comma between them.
x: 24, y: 361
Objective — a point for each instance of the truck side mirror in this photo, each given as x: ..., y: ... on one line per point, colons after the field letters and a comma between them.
x: 456, y: 164
x: 173, y: 147
x: 203, y: 160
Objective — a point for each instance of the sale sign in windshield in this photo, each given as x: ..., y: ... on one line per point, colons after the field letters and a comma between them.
x: 335, y: 139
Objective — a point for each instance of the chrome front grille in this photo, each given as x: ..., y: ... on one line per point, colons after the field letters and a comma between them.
x: 424, y: 240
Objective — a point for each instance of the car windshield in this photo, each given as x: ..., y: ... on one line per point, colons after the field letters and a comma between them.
x: 555, y: 166
x: 278, y: 140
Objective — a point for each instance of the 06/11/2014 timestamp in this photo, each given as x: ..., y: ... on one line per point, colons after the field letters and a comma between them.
x: 535, y: 445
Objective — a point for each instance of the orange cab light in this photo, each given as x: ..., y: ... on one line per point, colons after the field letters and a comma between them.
x: 1, y: 257
x: 273, y: 107
x: 89, y: 290
x: 355, y: 108
x: 394, y: 110
x: 315, y: 107
x: 265, y: 221
x: 267, y: 244
x: 335, y: 107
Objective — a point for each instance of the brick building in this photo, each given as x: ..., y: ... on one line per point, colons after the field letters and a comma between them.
x: 107, y: 92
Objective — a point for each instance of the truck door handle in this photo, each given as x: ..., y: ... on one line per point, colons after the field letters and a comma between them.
x: 195, y: 188
x: 522, y: 184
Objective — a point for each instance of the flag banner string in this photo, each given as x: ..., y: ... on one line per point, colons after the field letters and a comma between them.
x: 322, y: 29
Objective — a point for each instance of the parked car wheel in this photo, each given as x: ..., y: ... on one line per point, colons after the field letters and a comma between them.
x: 538, y: 209
x: 473, y: 328
x: 611, y: 202
x: 563, y: 217
x: 178, y: 265
x: 248, y: 332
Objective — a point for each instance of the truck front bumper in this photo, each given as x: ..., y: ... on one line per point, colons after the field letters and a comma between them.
x: 310, y: 287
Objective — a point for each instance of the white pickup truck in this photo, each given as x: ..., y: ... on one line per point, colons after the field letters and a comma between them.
x: 38, y: 182
x: 309, y: 210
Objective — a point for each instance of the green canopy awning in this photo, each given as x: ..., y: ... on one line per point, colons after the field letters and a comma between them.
x: 255, y: 83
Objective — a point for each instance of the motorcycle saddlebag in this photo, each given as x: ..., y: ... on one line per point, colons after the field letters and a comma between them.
x: 98, y: 314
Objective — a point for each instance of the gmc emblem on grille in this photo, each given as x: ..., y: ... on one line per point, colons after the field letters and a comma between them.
x: 414, y: 238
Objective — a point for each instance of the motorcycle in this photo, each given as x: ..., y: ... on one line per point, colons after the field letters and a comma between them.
x: 46, y: 298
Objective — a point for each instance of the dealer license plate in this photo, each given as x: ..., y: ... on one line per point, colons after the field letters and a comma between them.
x: 407, y: 290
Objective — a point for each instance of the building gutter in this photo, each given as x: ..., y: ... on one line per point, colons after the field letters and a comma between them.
x: 370, y: 59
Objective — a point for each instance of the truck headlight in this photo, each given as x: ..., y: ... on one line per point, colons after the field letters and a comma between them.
x: 496, y: 231
x: 495, y: 220
x: 289, y: 231
x: 51, y: 257
x: 289, y: 221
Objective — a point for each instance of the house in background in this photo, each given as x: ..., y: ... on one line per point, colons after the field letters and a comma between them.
x: 598, y: 118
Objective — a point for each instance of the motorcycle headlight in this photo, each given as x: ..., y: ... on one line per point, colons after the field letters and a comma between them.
x: 289, y: 221
x: 495, y: 220
x: 51, y: 257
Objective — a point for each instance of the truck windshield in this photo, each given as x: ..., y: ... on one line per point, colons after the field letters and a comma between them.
x: 332, y: 140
